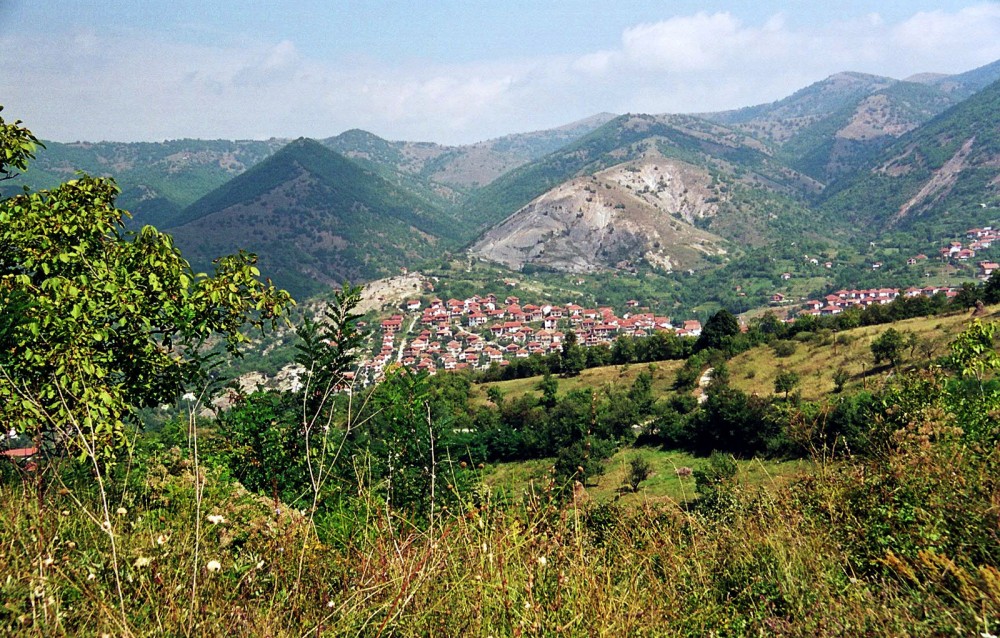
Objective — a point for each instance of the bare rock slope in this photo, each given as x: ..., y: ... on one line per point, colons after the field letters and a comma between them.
x: 641, y: 210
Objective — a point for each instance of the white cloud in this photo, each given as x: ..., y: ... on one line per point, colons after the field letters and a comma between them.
x: 970, y: 36
x: 97, y: 87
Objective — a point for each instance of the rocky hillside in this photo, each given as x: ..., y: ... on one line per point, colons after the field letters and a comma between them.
x: 638, y: 211
x: 944, y: 173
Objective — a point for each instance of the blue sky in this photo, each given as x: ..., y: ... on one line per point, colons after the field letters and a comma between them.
x: 445, y: 71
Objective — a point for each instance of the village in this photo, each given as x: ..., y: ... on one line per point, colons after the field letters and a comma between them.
x: 480, y: 331
x: 484, y: 330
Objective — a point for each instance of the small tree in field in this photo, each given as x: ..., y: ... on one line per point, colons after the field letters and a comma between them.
x: 638, y: 471
x: 786, y: 382
x: 106, y: 321
x: 888, y: 347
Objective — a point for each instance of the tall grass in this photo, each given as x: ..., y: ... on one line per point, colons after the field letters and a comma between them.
x: 816, y: 557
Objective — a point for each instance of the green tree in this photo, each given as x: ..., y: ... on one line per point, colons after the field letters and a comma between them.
x: 718, y: 331
x: 638, y: 471
x: 110, y: 321
x: 573, y: 358
x: 888, y: 347
x: 786, y: 382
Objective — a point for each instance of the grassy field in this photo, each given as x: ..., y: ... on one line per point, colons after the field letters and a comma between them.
x: 595, y: 378
x: 817, y: 359
x: 664, y: 484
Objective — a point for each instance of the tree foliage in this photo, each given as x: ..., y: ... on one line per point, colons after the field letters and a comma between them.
x: 108, y: 321
x: 888, y: 347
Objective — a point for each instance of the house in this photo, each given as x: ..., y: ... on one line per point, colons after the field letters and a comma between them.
x: 777, y: 298
x: 413, y: 305
x: 692, y: 327
x: 786, y: 276
x: 986, y: 268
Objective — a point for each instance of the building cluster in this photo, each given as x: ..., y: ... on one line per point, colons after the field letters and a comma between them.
x: 841, y: 300
x: 980, y: 239
x: 481, y: 331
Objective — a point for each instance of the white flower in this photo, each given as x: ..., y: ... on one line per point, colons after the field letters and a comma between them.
x: 214, y: 565
x: 121, y: 511
x: 216, y: 519
x: 65, y: 512
x: 162, y: 539
x: 189, y: 396
x: 542, y: 562
x: 140, y: 562
x: 48, y: 561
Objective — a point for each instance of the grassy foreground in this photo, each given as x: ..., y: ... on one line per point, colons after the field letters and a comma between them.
x: 906, y: 546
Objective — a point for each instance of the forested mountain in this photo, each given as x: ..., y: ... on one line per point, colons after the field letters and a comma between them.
x: 158, y: 179
x: 940, y: 176
x: 316, y: 219
x: 839, y: 162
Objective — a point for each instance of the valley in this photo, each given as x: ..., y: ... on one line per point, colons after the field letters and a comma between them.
x: 726, y: 373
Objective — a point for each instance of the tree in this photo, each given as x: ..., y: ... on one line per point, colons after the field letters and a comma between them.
x: 638, y: 471
x: 572, y: 359
x: 718, y: 331
x: 786, y: 382
x: 888, y: 347
x: 109, y: 321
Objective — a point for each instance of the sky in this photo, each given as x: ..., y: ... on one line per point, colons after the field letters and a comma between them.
x: 446, y: 71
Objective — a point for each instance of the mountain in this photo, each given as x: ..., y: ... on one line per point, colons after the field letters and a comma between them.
x: 832, y: 127
x: 752, y: 188
x: 944, y: 174
x: 962, y: 85
x: 315, y: 219
x: 461, y: 167
x: 158, y: 179
x: 640, y: 210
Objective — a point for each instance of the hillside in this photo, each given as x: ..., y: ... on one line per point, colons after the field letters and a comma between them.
x: 739, y: 191
x: 643, y: 210
x: 315, y: 219
x: 940, y: 177
x: 461, y: 167
x: 158, y: 179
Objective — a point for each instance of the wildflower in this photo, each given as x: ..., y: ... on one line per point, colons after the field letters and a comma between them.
x: 121, y: 511
x: 527, y: 605
x: 215, y: 519
x: 71, y: 545
x: 65, y: 512
x: 542, y: 562
x: 214, y: 565
x: 189, y: 396
x: 329, y: 604
x: 48, y: 561
x: 162, y: 539
x: 91, y: 576
x: 141, y: 562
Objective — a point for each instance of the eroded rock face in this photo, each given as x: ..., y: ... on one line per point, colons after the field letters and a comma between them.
x: 642, y: 210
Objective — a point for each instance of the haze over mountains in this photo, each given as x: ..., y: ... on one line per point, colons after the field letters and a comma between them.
x: 848, y: 156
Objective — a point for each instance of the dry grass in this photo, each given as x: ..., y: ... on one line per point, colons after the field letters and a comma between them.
x: 818, y: 359
x: 769, y: 564
x: 596, y: 378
